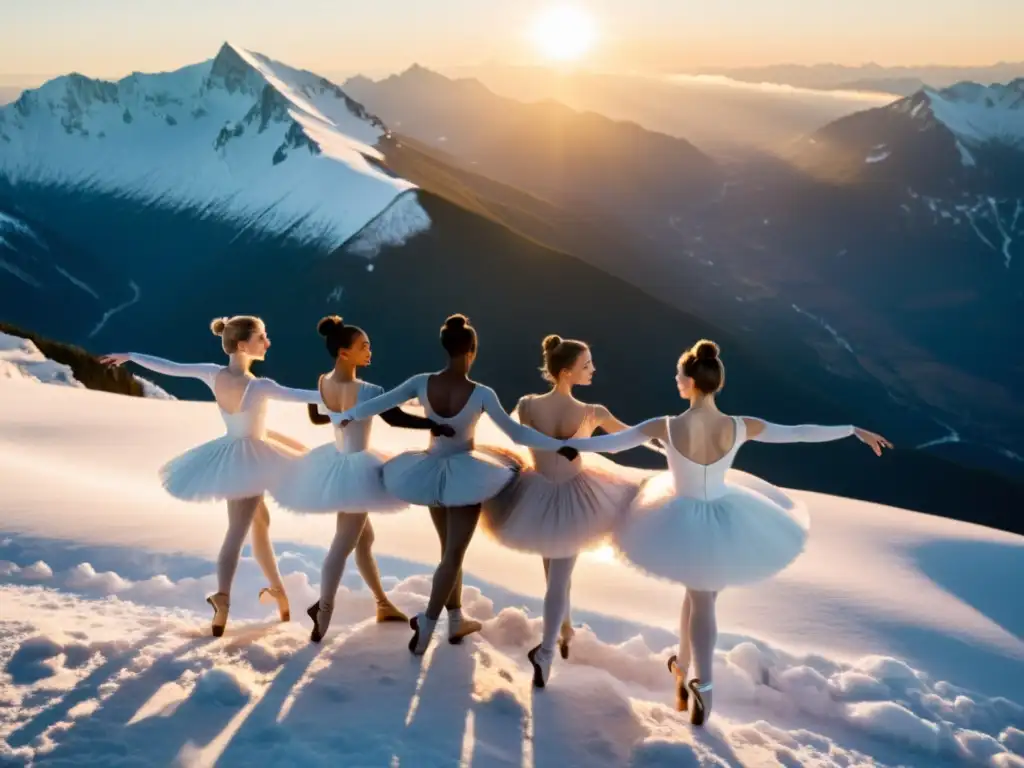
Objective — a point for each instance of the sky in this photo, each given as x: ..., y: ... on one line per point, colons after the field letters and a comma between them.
x: 111, y: 38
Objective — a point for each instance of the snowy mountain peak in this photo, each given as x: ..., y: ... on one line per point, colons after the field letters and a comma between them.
x: 231, y: 70
x: 975, y: 114
x: 241, y: 136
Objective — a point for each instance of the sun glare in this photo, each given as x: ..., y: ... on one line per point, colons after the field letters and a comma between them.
x: 604, y: 554
x: 564, y: 32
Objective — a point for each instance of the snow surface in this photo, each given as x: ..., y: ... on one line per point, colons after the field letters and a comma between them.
x: 890, y: 642
x: 272, y: 148
x: 997, y: 222
x: 21, y: 359
x: 975, y: 114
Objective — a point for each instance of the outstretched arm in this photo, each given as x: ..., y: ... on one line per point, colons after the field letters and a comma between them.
x: 611, y: 425
x: 270, y: 389
x: 765, y: 432
x: 206, y: 372
x: 396, y: 417
x: 624, y: 439
x: 316, y: 417
x: 522, y: 435
x: 407, y: 390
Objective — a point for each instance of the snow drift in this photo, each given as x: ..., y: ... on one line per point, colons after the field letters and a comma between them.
x: 890, y: 642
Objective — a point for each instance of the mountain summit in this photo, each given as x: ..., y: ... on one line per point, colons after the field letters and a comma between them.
x: 965, y: 138
x: 240, y: 136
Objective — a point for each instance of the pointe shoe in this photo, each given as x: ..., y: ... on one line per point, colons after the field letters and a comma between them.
x: 682, y: 693
x: 460, y: 626
x: 220, y: 603
x: 276, y: 593
x: 541, y: 661
x: 388, y: 611
x: 422, y: 631
x: 565, y: 639
x: 321, y: 617
x: 701, y: 701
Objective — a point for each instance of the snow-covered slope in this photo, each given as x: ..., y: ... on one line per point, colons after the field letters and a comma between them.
x: 21, y: 359
x: 965, y: 138
x: 895, y: 639
x: 242, y: 137
x: 976, y: 114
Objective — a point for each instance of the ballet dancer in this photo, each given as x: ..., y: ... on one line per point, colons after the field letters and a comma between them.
x: 697, y: 527
x: 557, y: 508
x: 451, y: 477
x: 346, y: 475
x: 240, y: 466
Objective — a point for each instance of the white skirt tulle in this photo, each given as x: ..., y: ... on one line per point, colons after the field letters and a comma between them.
x: 226, y: 468
x: 559, y: 519
x: 458, y: 479
x: 752, y: 532
x: 327, y: 480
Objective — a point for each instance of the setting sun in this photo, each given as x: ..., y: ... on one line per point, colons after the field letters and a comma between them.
x: 564, y: 32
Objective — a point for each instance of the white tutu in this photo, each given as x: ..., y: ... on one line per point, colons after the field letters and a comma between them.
x: 226, y: 468
x: 328, y: 480
x: 749, y: 533
x: 450, y: 479
x: 559, y: 518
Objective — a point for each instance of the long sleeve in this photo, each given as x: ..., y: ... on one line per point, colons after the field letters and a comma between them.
x: 802, y: 433
x: 618, y: 441
x: 377, y: 405
x: 396, y: 417
x: 530, y: 438
x: 271, y: 390
x: 206, y: 372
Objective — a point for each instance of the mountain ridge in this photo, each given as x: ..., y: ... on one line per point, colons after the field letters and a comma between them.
x: 242, y: 129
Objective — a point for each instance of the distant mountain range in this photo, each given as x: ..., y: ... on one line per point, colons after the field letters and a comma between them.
x: 132, y: 212
x: 899, y: 231
x: 722, y: 117
x: 564, y: 156
x: 914, y: 209
x: 903, y: 81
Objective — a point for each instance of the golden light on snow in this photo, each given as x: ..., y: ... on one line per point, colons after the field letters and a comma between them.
x: 564, y: 32
x: 605, y: 554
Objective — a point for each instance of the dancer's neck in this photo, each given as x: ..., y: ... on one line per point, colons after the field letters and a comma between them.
x: 563, y: 387
x: 458, y: 366
x: 239, y: 363
x: 344, y: 371
x: 702, y: 402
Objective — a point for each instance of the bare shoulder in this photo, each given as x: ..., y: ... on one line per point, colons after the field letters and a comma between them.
x: 524, y: 402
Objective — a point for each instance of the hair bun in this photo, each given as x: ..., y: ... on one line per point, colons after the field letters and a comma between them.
x: 551, y: 342
x: 218, y: 325
x: 705, y: 350
x: 456, y: 321
x: 330, y: 324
